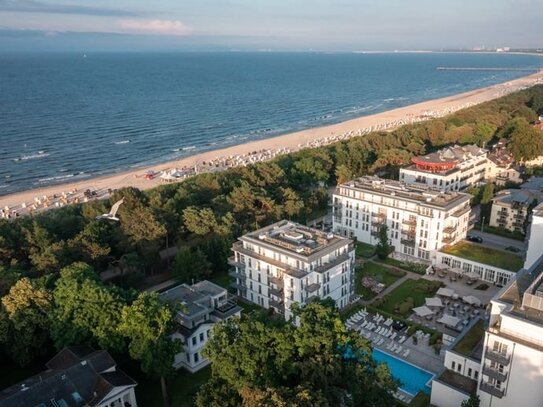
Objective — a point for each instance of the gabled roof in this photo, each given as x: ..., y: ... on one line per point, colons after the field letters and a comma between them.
x: 77, y: 376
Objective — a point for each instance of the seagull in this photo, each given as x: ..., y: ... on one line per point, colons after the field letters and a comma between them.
x: 112, y: 212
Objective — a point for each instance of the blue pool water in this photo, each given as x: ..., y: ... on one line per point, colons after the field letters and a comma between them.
x: 412, y: 378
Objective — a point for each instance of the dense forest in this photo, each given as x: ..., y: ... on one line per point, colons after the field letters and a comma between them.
x: 50, y: 263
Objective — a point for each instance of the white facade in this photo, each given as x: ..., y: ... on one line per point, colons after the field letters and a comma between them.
x: 204, y: 305
x: 450, y: 169
x: 419, y: 219
x: 535, y: 237
x: 288, y: 263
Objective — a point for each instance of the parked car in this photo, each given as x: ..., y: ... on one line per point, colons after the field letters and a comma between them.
x: 512, y: 249
x: 475, y: 239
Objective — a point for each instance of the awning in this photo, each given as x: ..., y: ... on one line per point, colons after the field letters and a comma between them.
x: 449, y: 320
x: 445, y: 292
x: 434, y: 302
x: 423, y: 311
x: 473, y: 275
x: 470, y: 299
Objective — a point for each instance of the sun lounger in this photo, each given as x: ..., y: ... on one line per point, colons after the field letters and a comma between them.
x: 406, y: 353
x: 398, y: 349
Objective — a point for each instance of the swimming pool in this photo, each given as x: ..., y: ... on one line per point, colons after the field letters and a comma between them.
x: 413, y: 379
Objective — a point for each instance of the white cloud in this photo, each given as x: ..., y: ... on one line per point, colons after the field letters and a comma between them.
x: 161, y: 27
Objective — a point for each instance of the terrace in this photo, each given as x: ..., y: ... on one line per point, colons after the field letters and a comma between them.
x: 471, y: 344
x: 486, y: 255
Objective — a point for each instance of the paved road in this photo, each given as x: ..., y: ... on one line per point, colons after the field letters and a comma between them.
x: 498, y: 242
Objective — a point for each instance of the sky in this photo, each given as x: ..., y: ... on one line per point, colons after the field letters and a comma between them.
x: 276, y: 25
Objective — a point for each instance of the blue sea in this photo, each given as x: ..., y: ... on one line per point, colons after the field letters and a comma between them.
x: 65, y: 117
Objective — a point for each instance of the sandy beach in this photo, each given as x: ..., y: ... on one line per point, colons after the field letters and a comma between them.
x: 58, y: 195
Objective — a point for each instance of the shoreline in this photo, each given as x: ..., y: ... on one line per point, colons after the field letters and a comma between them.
x: 39, y: 199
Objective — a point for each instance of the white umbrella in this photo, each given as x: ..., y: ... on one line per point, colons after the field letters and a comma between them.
x: 449, y: 320
x: 470, y: 299
x: 445, y: 292
x: 434, y: 302
x: 423, y: 311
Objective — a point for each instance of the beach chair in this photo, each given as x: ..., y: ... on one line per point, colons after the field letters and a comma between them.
x: 393, y: 335
x: 406, y: 353
x: 398, y: 349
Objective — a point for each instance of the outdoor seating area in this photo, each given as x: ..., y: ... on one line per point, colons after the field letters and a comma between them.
x: 380, y: 330
x: 447, y: 310
x: 453, y: 274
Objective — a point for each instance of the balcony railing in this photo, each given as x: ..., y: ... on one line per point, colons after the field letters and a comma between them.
x: 379, y: 215
x: 236, y: 263
x: 311, y: 288
x: 447, y: 240
x: 278, y: 305
x: 449, y: 229
x: 375, y: 233
x: 377, y: 222
x: 278, y: 292
x: 494, y: 373
x: 278, y: 281
x: 334, y: 262
x: 239, y: 286
x: 490, y: 389
x: 236, y: 274
x: 497, y: 357
x: 408, y: 242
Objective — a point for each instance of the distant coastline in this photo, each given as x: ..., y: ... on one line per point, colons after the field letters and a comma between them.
x: 281, y: 144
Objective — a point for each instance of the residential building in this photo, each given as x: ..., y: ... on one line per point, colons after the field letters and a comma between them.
x: 76, y: 376
x: 449, y: 169
x: 419, y: 218
x: 501, y: 167
x: 510, y: 209
x: 287, y: 263
x: 511, y: 356
x: 202, y: 306
x: 462, y: 368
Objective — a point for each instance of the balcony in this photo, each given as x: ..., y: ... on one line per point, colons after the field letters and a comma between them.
x: 332, y: 263
x: 278, y: 305
x: 447, y: 240
x: 449, y: 229
x: 378, y: 222
x: 236, y: 263
x: 379, y: 215
x: 311, y: 288
x: 497, y: 357
x: 410, y: 233
x: 408, y: 242
x: 236, y: 274
x: 277, y: 292
x: 410, y: 222
x: 375, y: 233
x: 241, y: 286
x: 278, y: 281
x: 490, y: 389
x: 494, y: 374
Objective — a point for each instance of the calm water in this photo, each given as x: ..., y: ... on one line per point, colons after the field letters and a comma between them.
x: 64, y: 117
x: 411, y: 377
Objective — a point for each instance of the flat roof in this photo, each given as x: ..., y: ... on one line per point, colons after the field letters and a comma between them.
x: 195, y: 299
x: 422, y: 195
x: 470, y: 343
x: 485, y: 255
x: 296, y: 239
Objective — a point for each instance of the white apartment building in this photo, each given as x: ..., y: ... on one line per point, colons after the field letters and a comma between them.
x: 449, y: 169
x: 203, y: 305
x: 287, y: 263
x: 419, y: 219
x: 510, y: 209
x: 510, y: 351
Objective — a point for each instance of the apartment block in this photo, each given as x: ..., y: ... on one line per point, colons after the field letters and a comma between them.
x: 449, y: 169
x: 203, y: 305
x: 510, y: 209
x: 287, y: 263
x: 420, y: 219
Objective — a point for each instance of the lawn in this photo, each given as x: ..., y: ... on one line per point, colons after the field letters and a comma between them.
x: 221, y: 279
x: 420, y: 400
x: 380, y: 273
x: 364, y: 250
x: 411, y: 293
x: 486, y: 255
x: 468, y: 343
x: 182, y: 387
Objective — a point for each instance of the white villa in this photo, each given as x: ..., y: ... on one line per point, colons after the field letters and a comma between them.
x: 203, y: 305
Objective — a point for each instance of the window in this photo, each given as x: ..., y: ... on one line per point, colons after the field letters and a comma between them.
x: 476, y: 375
x: 201, y: 336
x: 193, y: 341
x: 453, y: 365
x: 469, y: 372
x: 196, y: 357
x: 459, y: 369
